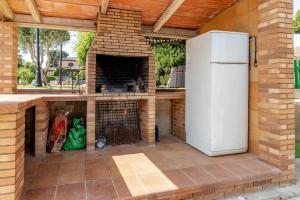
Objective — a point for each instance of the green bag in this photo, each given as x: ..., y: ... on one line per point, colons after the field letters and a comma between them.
x: 76, y: 138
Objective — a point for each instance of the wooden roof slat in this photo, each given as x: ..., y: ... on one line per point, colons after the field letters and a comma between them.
x: 190, y: 15
x: 6, y: 10
x: 34, y: 10
x: 104, y: 6
x: 167, y: 14
x: 56, y: 23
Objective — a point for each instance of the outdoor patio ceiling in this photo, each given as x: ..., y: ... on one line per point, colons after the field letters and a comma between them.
x: 158, y: 16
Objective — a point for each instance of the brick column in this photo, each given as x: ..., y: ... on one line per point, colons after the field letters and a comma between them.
x: 276, y: 88
x: 8, y: 57
x: 90, y: 125
x: 147, y: 120
x: 12, y: 136
x: 178, y: 118
x: 90, y: 73
x: 41, y: 128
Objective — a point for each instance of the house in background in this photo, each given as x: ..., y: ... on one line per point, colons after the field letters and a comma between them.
x: 69, y: 65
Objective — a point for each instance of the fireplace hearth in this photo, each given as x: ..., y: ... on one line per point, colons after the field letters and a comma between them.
x: 120, y: 75
x: 117, y: 121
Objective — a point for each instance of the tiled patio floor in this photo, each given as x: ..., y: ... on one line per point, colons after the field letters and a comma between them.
x: 140, y: 171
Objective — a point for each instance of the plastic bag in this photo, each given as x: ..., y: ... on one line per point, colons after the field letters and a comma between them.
x: 76, y: 138
x: 57, y: 134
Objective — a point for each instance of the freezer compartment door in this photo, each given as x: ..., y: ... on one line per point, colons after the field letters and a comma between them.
x: 230, y: 47
x: 229, y: 113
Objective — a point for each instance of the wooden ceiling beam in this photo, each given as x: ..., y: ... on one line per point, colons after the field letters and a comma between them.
x: 34, y: 10
x: 56, y: 23
x: 167, y: 14
x: 174, y: 33
x: 6, y: 10
x: 90, y: 26
x: 104, y: 6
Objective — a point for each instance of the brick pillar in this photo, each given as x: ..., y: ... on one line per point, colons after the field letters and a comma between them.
x: 147, y: 120
x: 90, y: 124
x: 8, y: 57
x: 90, y: 73
x: 12, y: 136
x: 41, y: 128
x: 276, y: 88
x: 178, y: 118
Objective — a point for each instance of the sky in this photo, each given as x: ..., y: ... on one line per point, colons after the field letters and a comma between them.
x: 297, y: 37
x: 68, y: 47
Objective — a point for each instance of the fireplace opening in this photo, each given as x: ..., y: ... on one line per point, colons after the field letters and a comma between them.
x: 118, y: 74
x: 117, y: 122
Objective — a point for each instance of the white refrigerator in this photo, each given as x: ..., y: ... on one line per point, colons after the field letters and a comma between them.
x: 217, y: 68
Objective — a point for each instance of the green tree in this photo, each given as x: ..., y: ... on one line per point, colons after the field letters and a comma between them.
x: 167, y: 55
x: 55, y: 56
x: 26, y: 42
x: 20, y: 61
x: 85, y: 40
x: 26, y: 73
x: 297, y: 23
x: 49, y: 39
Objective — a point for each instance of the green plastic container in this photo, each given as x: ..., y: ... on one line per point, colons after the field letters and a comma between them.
x: 76, y: 138
x: 297, y: 73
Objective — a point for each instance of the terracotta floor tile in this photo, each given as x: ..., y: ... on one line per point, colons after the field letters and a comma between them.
x: 129, y: 187
x: 164, y: 165
x: 222, y: 175
x: 181, y: 181
x: 121, y: 170
x: 52, y: 158
x: 40, y: 194
x: 71, y: 192
x: 73, y: 156
x: 43, y: 181
x: 48, y: 168
x: 259, y: 167
x: 140, y: 171
x: 28, y: 181
x: 100, y: 189
x: 93, y: 155
x: 72, y: 173
x: 95, y: 173
x: 200, y: 177
x: 244, y: 173
x: 31, y: 168
x: 95, y: 162
x: 156, y: 182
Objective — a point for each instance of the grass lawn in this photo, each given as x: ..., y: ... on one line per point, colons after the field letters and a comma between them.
x: 297, y: 149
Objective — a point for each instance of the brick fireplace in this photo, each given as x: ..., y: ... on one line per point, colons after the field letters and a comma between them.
x: 120, y: 69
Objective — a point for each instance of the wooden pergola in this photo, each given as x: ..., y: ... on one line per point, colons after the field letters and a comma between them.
x: 160, y: 18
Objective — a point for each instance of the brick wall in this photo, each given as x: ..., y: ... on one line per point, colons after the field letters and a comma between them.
x: 178, y: 118
x: 91, y: 125
x: 8, y: 57
x: 41, y: 128
x: 147, y: 119
x: 12, y: 135
x: 276, y: 88
x: 119, y: 34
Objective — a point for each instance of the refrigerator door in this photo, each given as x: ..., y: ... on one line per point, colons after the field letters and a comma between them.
x: 229, y: 108
x: 229, y: 47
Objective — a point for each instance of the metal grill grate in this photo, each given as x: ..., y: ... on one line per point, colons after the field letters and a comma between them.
x: 117, y: 121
